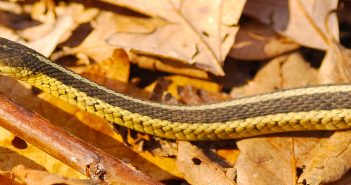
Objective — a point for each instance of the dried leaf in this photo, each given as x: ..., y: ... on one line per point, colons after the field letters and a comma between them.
x: 336, y: 65
x: 9, y: 6
x: 261, y: 158
x: 166, y: 66
x: 182, y: 81
x: 256, y: 41
x: 47, y: 44
x: 330, y: 161
x: 9, y: 34
x: 113, y: 73
x: 118, y: 86
x: 94, y: 45
x: 289, y: 16
x: 11, y: 155
x: 196, y: 32
x: 34, y: 177
x: 193, y: 96
x: 287, y: 71
x: 8, y: 179
x: 115, y: 68
x: 197, y: 168
x: 345, y: 180
x: 79, y: 13
x: 305, y: 144
x: 39, y: 13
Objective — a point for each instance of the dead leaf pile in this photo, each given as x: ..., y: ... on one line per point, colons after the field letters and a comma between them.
x: 183, y: 52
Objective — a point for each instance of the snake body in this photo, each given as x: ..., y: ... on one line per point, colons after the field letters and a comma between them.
x: 325, y: 107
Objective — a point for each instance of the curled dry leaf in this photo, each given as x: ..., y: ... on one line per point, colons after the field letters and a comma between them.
x: 336, y: 65
x: 289, y: 16
x: 33, y: 177
x: 165, y: 65
x: 44, y: 37
x: 196, y: 32
x: 113, y: 73
x: 9, y: 6
x: 68, y: 18
x: 11, y: 155
x: 182, y: 81
x: 48, y: 16
x: 47, y: 44
x: 94, y: 45
x: 8, y: 33
x: 305, y: 144
x: 330, y: 161
x: 287, y: 71
x: 79, y: 13
x: 8, y: 179
x: 345, y: 180
x: 197, y: 168
x: 256, y: 41
x: 39, y: 13
x: 115, y: 68
x: 193, y: 96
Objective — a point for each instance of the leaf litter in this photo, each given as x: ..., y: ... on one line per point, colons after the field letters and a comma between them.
x: 172, y: 52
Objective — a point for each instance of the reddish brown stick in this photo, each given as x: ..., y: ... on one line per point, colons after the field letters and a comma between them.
x: 72, y: 151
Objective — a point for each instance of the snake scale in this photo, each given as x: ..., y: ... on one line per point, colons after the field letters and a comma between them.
x: 324, y: 107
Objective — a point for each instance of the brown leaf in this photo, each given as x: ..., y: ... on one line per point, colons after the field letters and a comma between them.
x: 287, y: 71
x: 8, y: 179
x: 305, y: 144
x: 196, y: 32
x: 193, y: 96
x: 331, y: 159
x: 44, y: 37
x: 165, y: 65
x: 9, y: 34
x: 32, y: 157
x: 256, y: 41
x: 345, y: 180
x: 336, y: 65
x: 115, y: 68
x: 9, y: 6
x: 34, y: 177
x: 94, y: 45
x: 302, y: 21
x: 265, y: 161
x: 47, y: 44
x: 197, y: 168
x: 183, y: 81
x: 39, y: 13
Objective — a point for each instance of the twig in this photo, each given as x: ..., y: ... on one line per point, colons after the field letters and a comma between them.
x: 72, y: 151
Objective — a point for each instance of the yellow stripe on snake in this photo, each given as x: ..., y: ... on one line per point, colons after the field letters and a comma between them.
x: 326, y: 107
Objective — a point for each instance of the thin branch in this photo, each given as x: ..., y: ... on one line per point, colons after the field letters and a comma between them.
x: 67, y: 148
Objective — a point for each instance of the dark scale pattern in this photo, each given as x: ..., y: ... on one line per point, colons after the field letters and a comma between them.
x: 319, y: 101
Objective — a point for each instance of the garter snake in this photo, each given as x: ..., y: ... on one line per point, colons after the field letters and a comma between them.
x: 325, y: 107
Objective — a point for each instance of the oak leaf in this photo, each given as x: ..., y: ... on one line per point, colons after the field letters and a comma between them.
x: 288, y: 17
x: 197, y: 32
